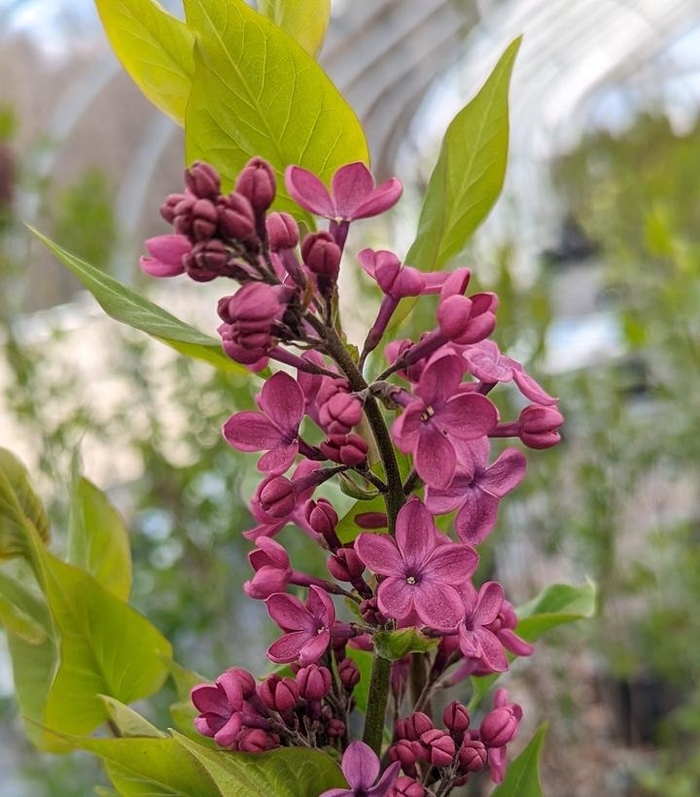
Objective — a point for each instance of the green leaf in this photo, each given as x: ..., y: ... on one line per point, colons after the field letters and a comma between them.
x: 19, y: 506
x: 394, y: 645
x: 105, y: 647
x: 98, y: 541
x: 258, y: 93
x: 183, y: 711
x: 127, y: 306
x: 469, y: 173
x: 556, y: 605
x: 129, y: 722
x: 286, y: 772
x: 148, y: 767
x: 347, y: 528
x: 32, y: 652
x: 363, y: 659
x: 522, y: 778
x: 306, y: 21
x: 154, y: 47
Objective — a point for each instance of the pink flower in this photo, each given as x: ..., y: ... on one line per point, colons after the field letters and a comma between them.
x: 275, y: 429
x: 273, y: 572
x: 361, y: 768
x: 307, y: 625
x: 421, y: 569
x: 477, y: 489
x: 395, y: 280
x: 476, y: 641
x: 353, y: 193
x: 166, y: 254
x: 497, y: 729
x: 438, y: 413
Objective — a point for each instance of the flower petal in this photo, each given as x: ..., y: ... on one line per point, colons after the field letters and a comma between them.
x: 439, y: 605
x: 395, y: 597
x: 383, y: 197
x: 360, y: 765
x: 282, y: 400
x: 251, y: 431
x: 379, y: 553
x: 308, y: 191
x: 288, y: 612
x: 350, y: 186
x: 435, y: 458
x: 415, y: 533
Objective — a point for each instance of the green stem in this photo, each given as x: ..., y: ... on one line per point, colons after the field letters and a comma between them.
x: 375, y: 718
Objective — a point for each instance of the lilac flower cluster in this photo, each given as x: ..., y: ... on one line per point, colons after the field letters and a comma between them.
x: 323, y: 416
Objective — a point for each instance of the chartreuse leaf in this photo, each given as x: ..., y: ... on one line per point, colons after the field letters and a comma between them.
x: 258, y: 93
x: 286, y: 772
x: 522, y: 778
x: 32, y: 649
x: 363, y: 659
x: 153, y: 767
x: 127, y: 306
x: 556, y: 605
x: 154, y: 47
x: 104, y: 646
x: 306, y: 21
x: 98, y: 541
x: 19, y: 506
x: 469, y: 173
x: 129, y: 722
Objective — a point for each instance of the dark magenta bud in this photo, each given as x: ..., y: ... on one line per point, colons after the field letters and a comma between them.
x: 346, y: 565
x: 405, y: 786
x: 282, y: 231
x: 499, y: 726
x: 256, y: 740
x: 416, y: 725
x: 278, y: 497
x: 335, y: 728
x: 279, y: 694
x: 472, y: 756
x: 257, y: 183
x: 203, y: 180
x: 314, y: 682
x: 349, y: 674
x: 439, y: 747
x: 340, y: 413
x: 348, y: 449
x: 539, y: 425
x: 235, y: 217
x: 456, y: 718
x: 321, y: 254
x: 206, y: 261
x: 404, y: 752
x: 322, y: 518
x: 203, y: 219
x: 168, y: 208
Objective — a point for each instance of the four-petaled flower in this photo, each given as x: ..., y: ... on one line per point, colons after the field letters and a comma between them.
x: 361, y: 767
x: 421, y: 568
x: 438, y: 414
x: 353, y: 193
x: 274, y: 429
x: 307, y: 625
x: 476, y: 641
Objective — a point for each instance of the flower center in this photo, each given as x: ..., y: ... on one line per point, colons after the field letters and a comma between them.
x: 427, y: 414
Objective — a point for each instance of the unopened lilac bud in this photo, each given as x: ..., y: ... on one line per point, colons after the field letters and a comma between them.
x: 439, y: 746
x: 279, y: 694
x: 282, y: 231
x: 314, y: 682
x: 321, y: 254
x: 346, y: 565
x: 206, y: 261
x: 322, y: 518
x: 278, y: 497
x: 350, y: 450
x: 370, y: 612
x: 472, y: 756
x: 456, y: 718
x: 371, y: 520
x: 539, y: 425
x: 499, y: 726
x: 238, y: 684
x: 182, y: 215
x: 256, y: 740
x: 340, y: 413
x: 203, y: 180
x: 349, y: 673
x: 235, y: 217
x: 405, y: 752
x: 257, y: 183
x: 335, y: 728
x: 168, y: 208
x: 405, y: 786
x: 417, y: 724
x: 203, y: 220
